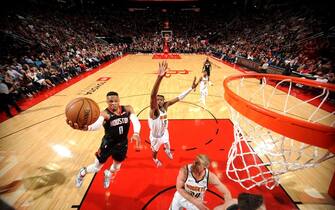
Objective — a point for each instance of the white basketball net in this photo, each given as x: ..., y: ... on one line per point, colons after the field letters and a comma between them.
x: 258, y: 156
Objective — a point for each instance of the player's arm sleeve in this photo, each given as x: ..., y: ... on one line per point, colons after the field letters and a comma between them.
x: 136, y: 123
x: 179, y: 98
x: 97, y: 124
x: 134, y: 120
x: 184, y: 94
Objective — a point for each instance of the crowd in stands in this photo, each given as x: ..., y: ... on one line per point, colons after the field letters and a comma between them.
x: 57, y: 51
x: 293, y: 41
x: 285, y: 40
x: 42, y: 50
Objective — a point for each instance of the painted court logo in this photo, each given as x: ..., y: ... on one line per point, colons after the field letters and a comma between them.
x: 103, y: 79
x: 170, y: 72
x: 94, y: 87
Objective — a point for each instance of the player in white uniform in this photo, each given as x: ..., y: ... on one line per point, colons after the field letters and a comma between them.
x: 192, y: 183
x: 158, y: 122
x: 203, y: 80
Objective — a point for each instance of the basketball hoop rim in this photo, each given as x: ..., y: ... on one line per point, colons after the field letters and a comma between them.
x: 310, y: 133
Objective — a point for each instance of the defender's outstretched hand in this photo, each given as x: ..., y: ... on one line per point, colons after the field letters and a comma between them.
x: 162, y: 68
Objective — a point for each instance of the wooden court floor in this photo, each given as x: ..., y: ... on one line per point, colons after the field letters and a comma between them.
x: 40, y: 154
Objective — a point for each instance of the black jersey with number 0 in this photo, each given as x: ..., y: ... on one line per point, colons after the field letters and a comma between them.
x: 207, y: 66
x: 117, y: 127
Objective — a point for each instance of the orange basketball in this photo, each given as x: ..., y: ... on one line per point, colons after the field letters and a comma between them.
x: 83, y: 111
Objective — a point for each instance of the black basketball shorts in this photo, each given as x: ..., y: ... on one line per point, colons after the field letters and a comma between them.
x: 108, y: 148
x: 208, y: 72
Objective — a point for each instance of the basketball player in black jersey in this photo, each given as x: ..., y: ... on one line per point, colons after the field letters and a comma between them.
x: 207, y: 68
x: 116, y: 121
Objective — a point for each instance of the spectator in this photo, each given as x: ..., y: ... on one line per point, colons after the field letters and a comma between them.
x: 6, y: 98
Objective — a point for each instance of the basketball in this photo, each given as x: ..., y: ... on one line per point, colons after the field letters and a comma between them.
x: 83, y: 111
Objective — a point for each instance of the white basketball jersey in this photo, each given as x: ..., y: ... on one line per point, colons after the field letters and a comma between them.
x: 204, y: 83
x: 159, y: 125
x: 196, y: 188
